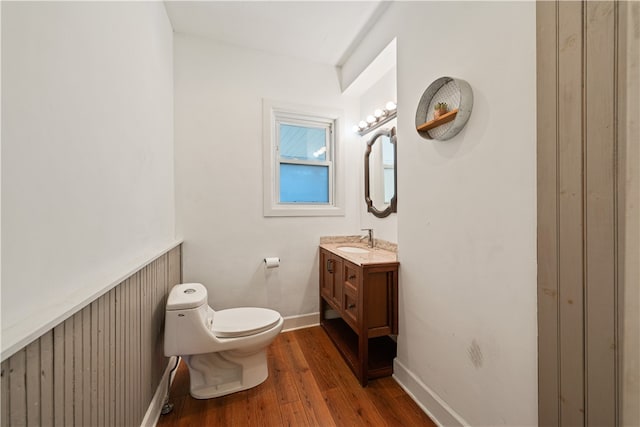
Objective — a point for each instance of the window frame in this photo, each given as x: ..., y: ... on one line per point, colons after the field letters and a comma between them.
x: 276, y: 113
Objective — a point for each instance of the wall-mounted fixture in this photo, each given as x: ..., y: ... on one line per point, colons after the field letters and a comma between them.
x: 381, y: 173
x: 377, y: 119
x: 444, y: 108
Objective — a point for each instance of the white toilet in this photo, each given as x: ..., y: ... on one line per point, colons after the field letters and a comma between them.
x: 225, y: 350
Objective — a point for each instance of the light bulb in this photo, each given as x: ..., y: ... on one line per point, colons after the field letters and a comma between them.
x: 371, y: 119
x: 390, y: 106
x: 355, y: 128
x: 378, y: 113
x: 362, y: 124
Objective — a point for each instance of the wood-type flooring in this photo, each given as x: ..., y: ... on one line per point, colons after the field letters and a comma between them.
x: 309, y: 384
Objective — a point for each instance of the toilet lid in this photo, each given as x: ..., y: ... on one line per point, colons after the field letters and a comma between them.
x: 243, y: 321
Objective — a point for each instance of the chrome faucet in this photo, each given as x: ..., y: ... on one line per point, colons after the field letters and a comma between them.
x: 369, y: 236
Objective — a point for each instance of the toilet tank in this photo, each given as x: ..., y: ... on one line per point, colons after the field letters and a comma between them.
x: 186, y: 296
x: 188, y: 320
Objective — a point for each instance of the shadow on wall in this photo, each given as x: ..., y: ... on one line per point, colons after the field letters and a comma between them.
x: 267, y: 283
x: 463, y: 144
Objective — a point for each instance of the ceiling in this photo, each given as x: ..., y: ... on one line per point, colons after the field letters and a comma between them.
x: 319, y: 31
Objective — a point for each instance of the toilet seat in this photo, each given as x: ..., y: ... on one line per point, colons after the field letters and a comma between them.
x: 243, y: 321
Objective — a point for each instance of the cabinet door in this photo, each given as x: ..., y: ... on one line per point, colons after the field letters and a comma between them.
x: 331, y: 278
x: 381, y: 301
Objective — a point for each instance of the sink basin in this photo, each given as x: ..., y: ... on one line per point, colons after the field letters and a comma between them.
x: 353, y: 250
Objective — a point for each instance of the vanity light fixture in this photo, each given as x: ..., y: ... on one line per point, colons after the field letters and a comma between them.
x: 379, y: 117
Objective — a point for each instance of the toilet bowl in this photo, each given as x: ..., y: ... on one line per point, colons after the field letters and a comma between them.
x: 224, y: 350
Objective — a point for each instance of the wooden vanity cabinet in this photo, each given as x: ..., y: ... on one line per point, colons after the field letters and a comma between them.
x: 359, y: 310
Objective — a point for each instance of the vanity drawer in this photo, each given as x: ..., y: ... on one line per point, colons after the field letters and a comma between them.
x: 352, y: 274
x: 350, y: 309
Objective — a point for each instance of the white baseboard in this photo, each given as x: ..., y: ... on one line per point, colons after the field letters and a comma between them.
x: 437, y: 409
x: 155, y: 407
x: 292, y: 323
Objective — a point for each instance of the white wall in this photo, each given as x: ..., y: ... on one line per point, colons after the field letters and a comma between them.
x: 218, y: 103
x: 87, y: 154
x: 466, y: 212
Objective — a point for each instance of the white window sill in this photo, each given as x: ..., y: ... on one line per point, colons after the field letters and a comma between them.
x: 303, y: 210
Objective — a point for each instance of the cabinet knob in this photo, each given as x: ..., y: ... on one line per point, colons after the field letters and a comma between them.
x: 330, y: 265
x: 351, y: 306
x: 352, y: 277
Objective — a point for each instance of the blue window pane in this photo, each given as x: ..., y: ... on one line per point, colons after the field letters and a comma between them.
x: 304, y: 184
x: 302, y: 143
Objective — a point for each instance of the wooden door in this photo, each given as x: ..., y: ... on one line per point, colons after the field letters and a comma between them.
x: 580, y: 193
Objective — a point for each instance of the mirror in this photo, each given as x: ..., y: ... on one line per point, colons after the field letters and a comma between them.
x: 380, y: 175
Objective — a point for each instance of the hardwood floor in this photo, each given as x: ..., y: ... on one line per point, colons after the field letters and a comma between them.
x: 309, y: 384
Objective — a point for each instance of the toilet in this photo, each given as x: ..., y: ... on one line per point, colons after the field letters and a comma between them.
x: 224, y: 350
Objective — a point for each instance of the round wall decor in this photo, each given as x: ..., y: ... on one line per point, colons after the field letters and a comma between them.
x: 444, y: 108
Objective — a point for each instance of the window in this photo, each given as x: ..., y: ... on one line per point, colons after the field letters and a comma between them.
x: 304, y: 150
x: 300, y: 161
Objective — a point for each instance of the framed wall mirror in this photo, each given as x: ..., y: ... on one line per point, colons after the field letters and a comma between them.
x: 380, y: 173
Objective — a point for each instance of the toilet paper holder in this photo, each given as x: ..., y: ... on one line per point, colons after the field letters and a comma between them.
x: 271, y: 262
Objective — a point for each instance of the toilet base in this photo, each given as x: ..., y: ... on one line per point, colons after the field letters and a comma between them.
x: 226, y: 372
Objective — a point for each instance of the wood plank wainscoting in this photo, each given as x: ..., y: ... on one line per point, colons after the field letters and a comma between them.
x: 582, y: 98
x: 102, y: 365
